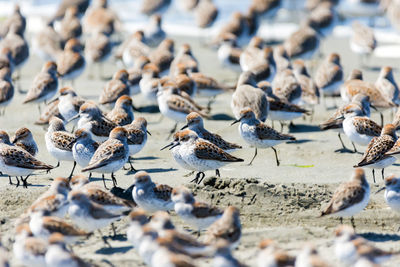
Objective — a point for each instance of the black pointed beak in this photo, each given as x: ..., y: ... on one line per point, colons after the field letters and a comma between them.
x: 148, y: 132
x: 174, y: 145
x: 52, y: 101
x: 73, y: 118
x: 236, y: 121
x: 373, y: 107
x: 170, y: 144
x: 381, y: 189
x: 184, y: 127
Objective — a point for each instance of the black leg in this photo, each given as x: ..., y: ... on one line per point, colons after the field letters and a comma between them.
x: 172, y: 130
x: 16, y: 177
x: 104, y: 181
x: 281, y: 125
x: 72, y: 172
x: 9, y: 180
x: 352, y: 222
x: 383, y: 174
x: 90, y: 175
x: 130, y: 163
x: 373, y: 174
x: 255, y: 154
x: 341, y: 141
x: 341, y: 220
x: 217, y: 173
x: 276, y: 156
x: 104, y: 238
x: 114, y: 231
x: 196, y: 178
x: 24, y: 181
x: 58, y: 165
x: 202, y: 174
x: 113, y: 179
x: 354, y: 146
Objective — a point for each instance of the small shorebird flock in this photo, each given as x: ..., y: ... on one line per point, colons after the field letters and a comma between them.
x: 275, y: 83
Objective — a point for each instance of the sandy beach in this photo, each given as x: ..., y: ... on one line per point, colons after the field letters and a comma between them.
x: 282, y: 203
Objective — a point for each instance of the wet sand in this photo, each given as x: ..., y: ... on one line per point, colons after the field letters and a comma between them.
x: 282, y: 203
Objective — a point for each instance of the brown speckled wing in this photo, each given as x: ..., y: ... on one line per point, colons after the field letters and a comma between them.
x: 104, y: 198
x: 15, y: 156
x: 265, y: 132
x: 209, y: 151
x: 163, y: 191
x: 219, y: 141
x: 367, y: 126
x: 179, y: 104
x: 103, y: 127
x: 63, y: 140
x: 279, y: 105
x: 135, y: 136
x: 203, y: 210
x: 49, y: 111
x: 328, y: 74
x: 56, y: 225
x: 108, y: 151
x: 98, y: 212
x: 345, y: 196
x: 376, y: 149
x: 68, y: 62
x: 113, y: 90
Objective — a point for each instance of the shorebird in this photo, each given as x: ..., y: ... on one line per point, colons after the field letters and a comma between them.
x: 350, y: 247
x: 111, y: 155
x: 375, y: 156
x: 98, y: 50
x: 100, y: 18
x: 58, y: 255
x: 44, y: 85
x: 323, y: 18
x: 150, y: 196
x: 150, y: 82
x: 248, y: 95
x: 6, y: 88
x: 186, y: 58
x: 59, y: 142
x: 83, y: 147
x: 229, y: 53
x: 355, y: 85
x: 195, y: 123
x: 359, y: 129
x: 115, y: 88
x: 286, y: 87
x: 329, y: 75
x: 17, y: 45
x: 281, y: 58
x: 259, y: 134
x: 52, y: 202
x: 350, y: 197
x: 197, y: 214
x: 47, y: 43
x: 238, y: 26
x: 27, y: 249
x: 6, y: 59
x: 100, y: 196
x: 43, y: 226
x: 153, y: 32
x: 271, y: 255
x: 149, y: 7
x: 92, y: 119
x: 68, y: 103
x: 49, y: 111
x: 134, y: 48
x: 70, y: 63
x: 223, y: 255
x: 205, y: 13
x: 137, y: 137
x: 137, y: 219
x: 335, y: 122
x: 70, y: 25
x: 266, y: 9
x: 362, y: 42
x: 175, y: 106
x: 228, y: 228
x: 280, y: 109
x: 392, y: 192
x: 89, y: 215
x: 82, y: 5
x: 302, y: 43
x: 387, y: 85
x: 163, y: 55
x: 135, y: 74
x: 122, y: 113
x: 24, y: 139
x: 252, y: 54
x: 309, y: 89
x: 14, y: 161
x: 16, y: 19
x: 309, y: 257
x: 202, y: 155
